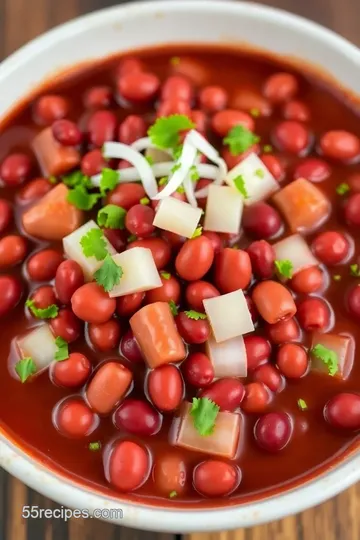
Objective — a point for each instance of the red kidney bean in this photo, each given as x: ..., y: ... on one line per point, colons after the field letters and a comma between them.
x: 173, y: 240
x: 101, y: 127
x: 98, y: 97
x: 177, y: 87
x: 43, y: 297
x: 166, y: 387
x: 258, y: 351
x: 353, y: 301
x: 250, y: 100
x: 232, y: 161
x: 313, y: 314
x: 260, y: 220
x: 273, y: 301
x: 42, y: 266
x: 129, y: 65
x: 159, y: 248
x: 66, y: 325
x: 213, y: 478
x: 269, y: 376
x: 10, y: 293
x: 296, y: 110
x: 352, y: 210
x: 15, y: 169
x: 173, y: 106
x: 138, y: 86
x: 292, y: 360
x: 105, y: 336
x: 343, y: 411
x: 252, y: 309
x: 73, y: 372
x: 262, y: 257
x: 280, y: 87
x: 92, y: 304
x: 198, y: 291
x: 139, y: 220
x: 131, y: 129
x: 307, y: 281
x: 126, y: 195
x: 274, y: 165
x: 200, y: 120
x: 291, y: 136
x: 50, y: 108
x: 130, y: 349
x: 170, y: 290
x: 198, y: 370
x: 138, y: 417
x: 354, y: 182
x: 313, y: 169
x: 232, y: 270
x: 66, y: 133
x: 13, y: 249
x: 117, y: 238
x: 75, y: 419
x: 340, y: 145
x: 170, y: 473
x: 195, y: 258
x: 331, y: 247
x: 215, y: 240
x: 6, y: 215
x: 128, y: 304
x: 228, y: 393
x: 213, y: 98
x: 283, y: 331
x: 257, y: 398
x: 129, y: 466
x: 273, y: 431
x: 34, y: 190
x: 69, y: 277
x: 223, y: 121
x: 194, y: 332
x: 93, y: 163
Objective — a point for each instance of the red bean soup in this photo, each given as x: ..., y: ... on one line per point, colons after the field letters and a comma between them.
x: 179, y: 276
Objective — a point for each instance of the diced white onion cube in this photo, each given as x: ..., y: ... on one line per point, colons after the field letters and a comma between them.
x: 139, y: 272
x: 343, y: 346
x: 295, y: 249
x: 228, y: 357
x: 224, y: 209
x: 258, y: 180
x: 73, y: 250
x: 177, y: 216
x: 229, y: 315
x: 39, y: 344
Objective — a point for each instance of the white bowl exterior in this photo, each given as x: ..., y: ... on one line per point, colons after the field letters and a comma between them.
x: 124, y: 28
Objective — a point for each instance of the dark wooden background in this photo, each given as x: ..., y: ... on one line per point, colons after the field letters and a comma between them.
x: 338, y: 519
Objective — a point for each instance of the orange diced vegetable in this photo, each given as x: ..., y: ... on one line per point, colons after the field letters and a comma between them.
x: 54, y: 159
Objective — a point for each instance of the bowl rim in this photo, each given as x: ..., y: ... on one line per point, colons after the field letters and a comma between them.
x: 76, y: 495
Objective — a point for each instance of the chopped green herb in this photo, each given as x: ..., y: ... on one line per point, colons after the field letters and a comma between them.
x: 131, y: 238
x: 50, y: 312
x: 95, y: 446
x: 173, y: 494
x: 109, y: 274
x: 177, y: 151
x: 176, y: 167
x: 62, y: 352
x: 52, y: 179
x: 165, y: 133
x: 267, y: 148
x: 93, y: 244
x: 328, y: 357
x: 204, y: 413
x: 150, y: 160
x: 175, y: 61
x: 109, y: 180
x: 180, y: 189
x: 173, y: 308
x: 240, y: 139
x: 342, y: 189
x: 82, y: 199
x: 194, y: 173
x: 284, y: 268
x: 239, y: 183
x: 76, y: 178
x: 354, y: 270
x: 195, y: 315
x: 337, y: 277
x: 255, y: 113
x: 165, y: 275
x: 260, y: 173
x: 302, y: 404
x: 145, y: 201
x: 163, y: 181
x: 198, y: 232
x: 25, y: 368
x: 111, y: 216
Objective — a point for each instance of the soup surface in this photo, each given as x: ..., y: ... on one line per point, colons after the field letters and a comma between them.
x: 181, y: 349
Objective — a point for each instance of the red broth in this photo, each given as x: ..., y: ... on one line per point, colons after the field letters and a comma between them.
x: 291, y: 122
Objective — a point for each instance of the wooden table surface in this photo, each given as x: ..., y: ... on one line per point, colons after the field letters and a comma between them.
x: 338, y: 519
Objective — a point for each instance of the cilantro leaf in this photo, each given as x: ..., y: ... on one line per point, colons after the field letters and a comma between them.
x: 81, y: 198
x: 239, y: 183
x: 111, y: 216
x: 145, y: 201
x: 195, y: 315
x: 50, y: 312
x: 302, y: 404
x: 204, y: 413
x: 76, y: 178
x: 173, y: 494
x: 165, y: 275
x: 284, y: 268
x: 150, y: 160
x: 109, y: 180
x: 173, y: 308
x: 197, y: 232
x: 93, y: 244
x: 180, y: 189
x: 95, y: 446
x: 25, y: 368
x: 163, y: 181
x: 354, y: 270
x: 109, y: 274
x: 194, y: 173
x: 239, y: 139
x: 328, y: 357
x: 177, y: 151
x: 63, y: 349
x: 260, y: 173
x: 176, y: 167
x: 165, y: 133
x: 342, y: 189
x: 267, y: 148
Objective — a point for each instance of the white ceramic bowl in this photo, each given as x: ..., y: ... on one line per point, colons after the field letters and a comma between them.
x: 137, y: 25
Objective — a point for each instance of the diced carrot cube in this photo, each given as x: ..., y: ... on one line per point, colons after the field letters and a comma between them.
x: 54, y: 159
x: 303, y: 205
x: 53, y: 217
x: 344, y: 348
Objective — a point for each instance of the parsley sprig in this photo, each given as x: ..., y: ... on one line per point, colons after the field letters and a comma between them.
x: 239, y: 139
x: 204, y: 413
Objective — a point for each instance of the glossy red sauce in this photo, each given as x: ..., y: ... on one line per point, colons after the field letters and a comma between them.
x: 26, y: 410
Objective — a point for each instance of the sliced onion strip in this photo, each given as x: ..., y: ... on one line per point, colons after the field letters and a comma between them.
x: 185, y: 162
